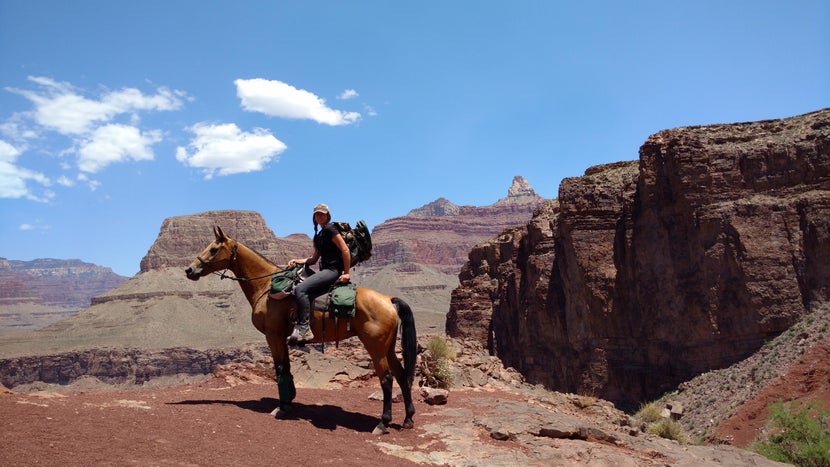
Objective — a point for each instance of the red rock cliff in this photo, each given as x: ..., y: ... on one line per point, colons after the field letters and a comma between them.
x: 181, y: 238
x: 645, y: 274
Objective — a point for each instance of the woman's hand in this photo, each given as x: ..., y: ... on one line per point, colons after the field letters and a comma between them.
x: 343, y: 277
x: 294, y: 262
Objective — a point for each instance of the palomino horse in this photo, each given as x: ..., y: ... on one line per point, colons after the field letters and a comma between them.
x: 375, y: 323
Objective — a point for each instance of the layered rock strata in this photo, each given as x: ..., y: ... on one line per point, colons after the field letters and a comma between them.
x: 181, y: 238
x: 36, y: 293
x: 648, y: 273
x: 160, y: 308
x: 418, y: 256
x: 441, y: 233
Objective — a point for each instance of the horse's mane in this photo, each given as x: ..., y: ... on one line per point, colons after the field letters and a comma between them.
x: 258, y: 254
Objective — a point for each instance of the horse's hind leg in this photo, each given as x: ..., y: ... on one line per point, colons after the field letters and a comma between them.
x: 386, y: 417
x: 406, y: 390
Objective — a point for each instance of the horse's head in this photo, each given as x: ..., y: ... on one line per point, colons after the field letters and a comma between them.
x: 218, y: 255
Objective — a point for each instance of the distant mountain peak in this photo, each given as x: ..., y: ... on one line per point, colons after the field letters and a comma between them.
x: 439, y: 208
x: 520, y: 192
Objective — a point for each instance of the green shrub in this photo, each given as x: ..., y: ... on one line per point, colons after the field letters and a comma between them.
x: 799, y: 437
x: 438, y: 348
x: 649, y: 413
x: 438, y: 372
x: 669, y: 429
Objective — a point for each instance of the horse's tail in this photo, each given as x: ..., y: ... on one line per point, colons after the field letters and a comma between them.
x: 409, y: 339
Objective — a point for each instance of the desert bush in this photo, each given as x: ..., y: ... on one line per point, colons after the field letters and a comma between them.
x: 649, y: 413
x: 799, y: 437
x: 438, y: 348
x: 436, y: 370
x: 669, y: 429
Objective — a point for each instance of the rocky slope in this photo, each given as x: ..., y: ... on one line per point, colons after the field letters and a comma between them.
x: 643, y: 275
x: 36, y: 293
x: 159, y: 308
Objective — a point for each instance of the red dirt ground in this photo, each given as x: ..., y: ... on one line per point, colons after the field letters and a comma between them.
x: 808, y: 381
x: 205, y: 423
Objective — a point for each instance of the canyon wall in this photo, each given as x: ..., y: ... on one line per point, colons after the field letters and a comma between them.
x: 36, y: 293
x: 644, y: 274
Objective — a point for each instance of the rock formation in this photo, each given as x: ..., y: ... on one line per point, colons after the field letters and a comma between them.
x: 181, y: 238
x: 441, y: 233
x: 160, y: 308
x: 419, y: 256
x: 645, y: 274
x: 36, y: 293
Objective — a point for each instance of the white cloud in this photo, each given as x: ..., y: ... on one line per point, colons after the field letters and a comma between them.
x: 36, y: 226
x: 92, y: 124
x: 348, y: 94
x: 92, y: 184
x: 62, y: 108
x: 279, y: 99
x: 8, y: 153
x: 14, y: 179
x: 63, y: 180
x: 115, y: 143
x: 226, y: 150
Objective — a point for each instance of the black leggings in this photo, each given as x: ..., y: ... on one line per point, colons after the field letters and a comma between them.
x: 312, y: 287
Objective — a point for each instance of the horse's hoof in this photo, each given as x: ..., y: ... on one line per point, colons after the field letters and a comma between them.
x: 408, y: 424
x: 280, y: 413
x: 380, y: 430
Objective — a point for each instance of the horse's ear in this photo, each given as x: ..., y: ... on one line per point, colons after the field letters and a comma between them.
x: 220, y: 236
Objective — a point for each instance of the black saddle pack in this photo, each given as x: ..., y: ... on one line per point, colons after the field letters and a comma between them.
x: 358, y: 239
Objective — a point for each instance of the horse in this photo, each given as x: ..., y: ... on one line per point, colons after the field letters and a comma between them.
x: 376, y: 321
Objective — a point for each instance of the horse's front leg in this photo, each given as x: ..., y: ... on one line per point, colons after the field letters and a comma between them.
x: 282, y: 369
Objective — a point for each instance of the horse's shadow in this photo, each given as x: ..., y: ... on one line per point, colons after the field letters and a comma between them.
x: 327, y: 417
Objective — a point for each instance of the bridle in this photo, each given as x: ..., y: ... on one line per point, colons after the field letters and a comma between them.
x: 223, y: 274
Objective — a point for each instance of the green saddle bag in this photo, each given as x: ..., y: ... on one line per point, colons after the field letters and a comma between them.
x: 342, y: 303
x: 282, y: 283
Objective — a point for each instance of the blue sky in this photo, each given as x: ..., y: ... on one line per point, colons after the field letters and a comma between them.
x: 117, y: 115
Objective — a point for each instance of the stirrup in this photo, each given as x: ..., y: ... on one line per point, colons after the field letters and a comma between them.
x: 297, y: 338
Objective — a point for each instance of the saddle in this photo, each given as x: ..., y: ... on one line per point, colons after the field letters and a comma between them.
x: 338, y: 303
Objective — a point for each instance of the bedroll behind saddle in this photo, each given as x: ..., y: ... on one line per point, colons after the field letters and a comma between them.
x: 358, y: 239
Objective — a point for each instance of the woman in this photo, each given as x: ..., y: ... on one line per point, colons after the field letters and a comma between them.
x: 331, y: 250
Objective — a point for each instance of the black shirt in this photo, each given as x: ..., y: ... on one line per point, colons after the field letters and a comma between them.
x: 330, y: 255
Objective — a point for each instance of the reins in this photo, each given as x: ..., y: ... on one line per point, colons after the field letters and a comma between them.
x: 223, y: 274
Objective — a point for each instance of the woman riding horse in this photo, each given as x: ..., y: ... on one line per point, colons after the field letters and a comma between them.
x: 335, y: 260
x: 375, y: 323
